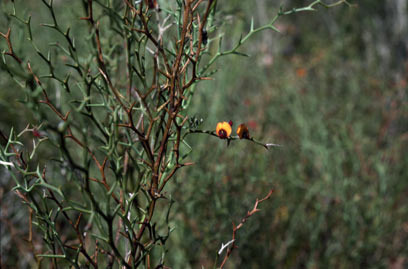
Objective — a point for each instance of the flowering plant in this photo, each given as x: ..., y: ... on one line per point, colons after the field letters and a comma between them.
x: 109, y: 98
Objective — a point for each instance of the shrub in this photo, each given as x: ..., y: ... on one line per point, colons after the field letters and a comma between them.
x: 109, y: 84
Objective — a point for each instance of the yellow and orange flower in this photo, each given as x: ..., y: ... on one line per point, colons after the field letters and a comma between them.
x: 243, y: 131
x: 223, y: 129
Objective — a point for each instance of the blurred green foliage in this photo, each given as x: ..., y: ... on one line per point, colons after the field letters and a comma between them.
x: 341, y: 179
x: 333, y: 91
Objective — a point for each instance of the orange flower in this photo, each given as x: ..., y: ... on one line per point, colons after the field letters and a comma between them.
x: 242, y: 131
x: 223, y: 129
x: 301, y: 72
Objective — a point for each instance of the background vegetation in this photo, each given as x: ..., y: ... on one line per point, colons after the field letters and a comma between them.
x: 331, y: 88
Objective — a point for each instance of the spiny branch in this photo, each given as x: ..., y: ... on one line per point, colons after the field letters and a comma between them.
x: 239, y: 226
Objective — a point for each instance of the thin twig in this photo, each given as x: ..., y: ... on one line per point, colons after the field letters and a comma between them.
x: 239, y: 226
x: 232, y: 138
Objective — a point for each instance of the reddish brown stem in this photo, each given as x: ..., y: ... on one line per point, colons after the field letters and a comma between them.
x: 10, y: 46
x: 239, y: 226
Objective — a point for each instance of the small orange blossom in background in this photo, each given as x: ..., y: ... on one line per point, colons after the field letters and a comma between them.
x: 224, y: 129
x: 301, y: 72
